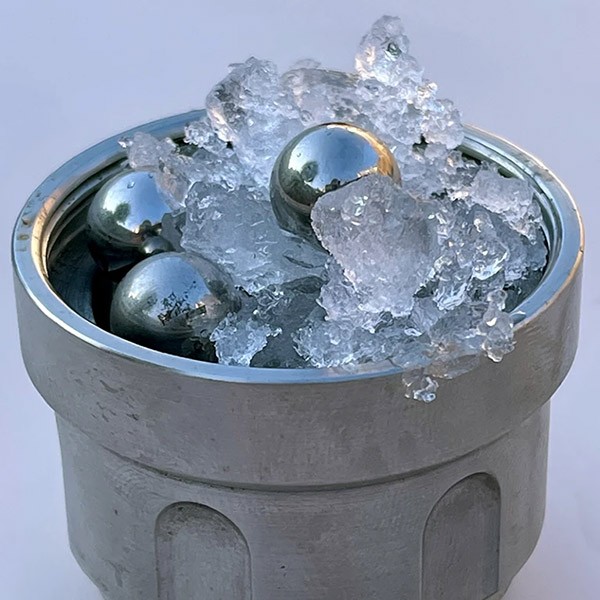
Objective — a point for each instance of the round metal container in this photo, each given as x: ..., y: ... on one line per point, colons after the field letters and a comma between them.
x: 194, y: 481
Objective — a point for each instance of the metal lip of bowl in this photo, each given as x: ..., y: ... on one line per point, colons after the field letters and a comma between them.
x: 49, y: 203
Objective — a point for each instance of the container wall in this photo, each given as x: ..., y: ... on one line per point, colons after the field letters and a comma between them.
x: 462, y: 530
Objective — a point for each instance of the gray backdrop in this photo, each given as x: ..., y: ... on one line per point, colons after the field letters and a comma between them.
x: 74, y: 72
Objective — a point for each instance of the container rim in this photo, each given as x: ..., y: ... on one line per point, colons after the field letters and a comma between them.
x: 30, y: 239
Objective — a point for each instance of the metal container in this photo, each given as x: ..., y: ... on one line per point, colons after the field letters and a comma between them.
x: 194, y: 481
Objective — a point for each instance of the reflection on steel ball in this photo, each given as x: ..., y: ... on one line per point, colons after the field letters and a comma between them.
x: 172, y: 302
x: 126, y: 210
x: 319, y: 160
x: 155, y: 244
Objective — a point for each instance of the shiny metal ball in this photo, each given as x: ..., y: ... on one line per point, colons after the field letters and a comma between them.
x: 155, y: 244
x: 172, y: 302
x: 127, y: 210
x: 319, y: 160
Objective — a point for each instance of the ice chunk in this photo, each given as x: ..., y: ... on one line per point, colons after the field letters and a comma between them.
x: 202, y: 134
x: 525, y: 253
x: 442, y: 124
x: 455, y: 176
x: 340, y: 343
x: 214, y: 160
x: 419, y: 386
x: 240, y: 336
x: 384, y: 240
x: 324, y: 96
x: 175, y: 171
x: 455, y: 310
x: 144, y: 151
x: 383, y: 54
x: 254, y: 112
x: 286, y: 308
x: 496, y: 327
x: 261, y: 334
x: 509, y: 197
x: 161, y: 157
x: 237, y: 230
x: 401, y: 105
x: 391, y: 116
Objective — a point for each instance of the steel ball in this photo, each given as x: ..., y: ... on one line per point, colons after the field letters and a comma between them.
x: 319, y: 160
x: 155, y: 244
x: 172, y: 302
x: 127, y: 210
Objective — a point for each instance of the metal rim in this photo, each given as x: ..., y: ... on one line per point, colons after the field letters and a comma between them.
x: 34, y: 225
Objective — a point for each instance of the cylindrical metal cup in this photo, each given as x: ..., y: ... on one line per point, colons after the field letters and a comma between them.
x: 194, y: 481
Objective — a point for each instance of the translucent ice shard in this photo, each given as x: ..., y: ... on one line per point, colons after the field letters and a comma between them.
x: 419, y: 386
x: 286, y: 308
x: 509, y: 197
x: 261, y: 334
x: 383, y: 238
x: 161, y: 157
x: 239, y: 337
x: 383, y: 54
x: 144, y: 151
x: 402, y: 106
x: 254, y: 112
x: 214, y: 160
x: 496, y: 327
x: 237, y: 230
x: 324, y: 96
x: 177, y: 171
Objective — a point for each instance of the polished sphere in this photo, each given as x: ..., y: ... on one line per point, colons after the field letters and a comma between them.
x: 319, y: 160
x: 127, y: 210
x: 155, y: 244
x: 172, y: 302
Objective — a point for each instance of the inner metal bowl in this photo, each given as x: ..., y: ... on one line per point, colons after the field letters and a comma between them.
x: 53, y: 263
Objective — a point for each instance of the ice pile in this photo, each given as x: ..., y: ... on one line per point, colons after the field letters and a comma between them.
x: 422, y: 275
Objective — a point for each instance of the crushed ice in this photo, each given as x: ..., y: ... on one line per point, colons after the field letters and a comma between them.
x: 423, y: 275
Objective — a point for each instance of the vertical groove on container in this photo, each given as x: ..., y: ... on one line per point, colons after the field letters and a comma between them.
x: 201, y: 555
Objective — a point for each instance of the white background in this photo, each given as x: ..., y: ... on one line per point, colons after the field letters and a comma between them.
x: 72, y: 73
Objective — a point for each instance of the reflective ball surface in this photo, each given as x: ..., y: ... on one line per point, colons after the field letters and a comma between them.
x: 319, y: 160
x: 172, y: 302
x: 155, y: 244
x: 127, y: 210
